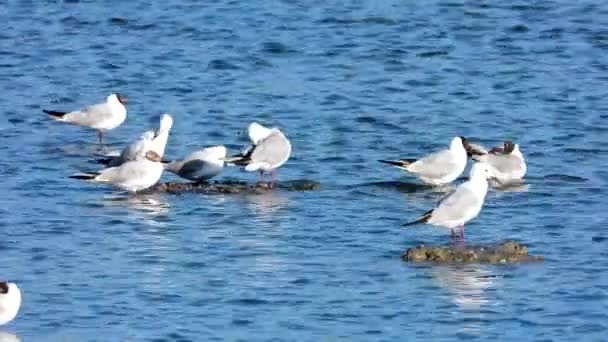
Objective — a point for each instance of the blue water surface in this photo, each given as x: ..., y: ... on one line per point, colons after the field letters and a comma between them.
x: 350, y: 82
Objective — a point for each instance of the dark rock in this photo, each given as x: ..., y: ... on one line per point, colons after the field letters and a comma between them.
x: 507, y: 252
x: 233, y: 187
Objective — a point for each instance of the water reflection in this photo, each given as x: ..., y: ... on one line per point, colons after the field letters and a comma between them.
x: 267, y: 205
x: 470, y: 287
x: 149, y: 209
x: 8, y: 337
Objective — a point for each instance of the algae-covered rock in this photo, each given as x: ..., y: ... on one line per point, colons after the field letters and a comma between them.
x: 507, y: 252
x: 234, y: 187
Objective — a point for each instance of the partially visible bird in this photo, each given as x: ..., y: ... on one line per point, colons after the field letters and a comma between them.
x: 136, y: 149
x: 462, y: 205
x: 201, y: 165
x: 440, y: 167
x: 133, y: 176
x: 270, y: 149
x: 101, y: 117
x: 507, y: 162
x: 162, y: 135
x: 10, y: 301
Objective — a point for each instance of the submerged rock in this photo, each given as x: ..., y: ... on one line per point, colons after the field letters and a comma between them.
x: 507, y: 252
x: 233, y: 187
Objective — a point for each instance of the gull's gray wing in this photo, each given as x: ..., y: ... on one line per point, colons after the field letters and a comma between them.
x: 435, y: 165
x: 272, y: 150
x: 456, y: 206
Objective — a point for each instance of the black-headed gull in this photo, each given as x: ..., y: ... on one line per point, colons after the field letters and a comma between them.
x: 462, y: 205
x: 135, y: 150
x: 10, y: 301
x: 133, y: 176
x: 270, y: 149
x: 507, y: 162
x: 201, y: 165
x: 440, y: 167
x: 162, y: 134
x: 102, y: 116
x: 153, y: 141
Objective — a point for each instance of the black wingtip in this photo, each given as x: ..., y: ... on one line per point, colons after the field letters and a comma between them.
x: 422, y: 219
x: 390, y: 162
x: 85, y: 177
x: 104, y: 161
x: 54, y: 113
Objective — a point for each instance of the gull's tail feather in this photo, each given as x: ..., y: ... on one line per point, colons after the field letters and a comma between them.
x: 85, y: 176
x: 238, y: 159
x: 422, y: 219
x: 55, y: 114
x: 403, y: 163
x: 104, y: 161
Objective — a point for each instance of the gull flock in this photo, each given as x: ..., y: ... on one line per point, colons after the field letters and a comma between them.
x: 140, y: 165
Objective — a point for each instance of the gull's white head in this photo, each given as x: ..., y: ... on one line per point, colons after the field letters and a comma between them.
x: 10, y: 301
x: 166, y: 122
x: 459, y: 144
x: 117, y: 99
x: 481, y: 171
x: 217, y: 152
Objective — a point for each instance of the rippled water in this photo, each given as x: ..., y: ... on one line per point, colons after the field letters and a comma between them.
x: 350, y: 82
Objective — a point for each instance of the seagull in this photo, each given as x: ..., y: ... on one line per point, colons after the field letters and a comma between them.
x: 270, y: 149
x: 162, y: 134
x: 462, y: 205
x: 507, y: 162
x: 133, y: 176
x: 102, y: 116
x: 201, y: 165
x: 134, y: 151
x: 10, y: 301
x: 440, y: 167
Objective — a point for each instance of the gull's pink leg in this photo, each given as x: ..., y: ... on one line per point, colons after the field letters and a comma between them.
x: 462, y: 232
x: 100, y: 136
x: 272, y: 179
x: 453, y: 234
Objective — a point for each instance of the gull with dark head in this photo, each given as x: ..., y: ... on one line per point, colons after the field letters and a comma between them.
x: 270, y: 149
x: 507, y: 162
x: 101, y: 117
x: 438, y: 168
x: 10, y: 301
x: 462, y: 205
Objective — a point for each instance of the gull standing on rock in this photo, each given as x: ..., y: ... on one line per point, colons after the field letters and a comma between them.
x: 10, y: 301
x: 102, y: 117
x: 201, y: 165
x: 162, y: 135
x: 133, y: 176
x: 135, y: 150
x: 270, y: 149
x: 462, y: 205
x: 507, y: 162
x: 438, y: 168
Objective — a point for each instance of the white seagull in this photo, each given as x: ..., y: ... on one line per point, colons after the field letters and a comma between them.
x: 507, y: 162
x: 270, y: 149
x: 162, y: 134
x: 133, y: 176
x: 135, y: 150
x: 462, y: 205
x: 10, y: 301
x: 440, y: 167
x: 201, y: 165
x: 102, y: 116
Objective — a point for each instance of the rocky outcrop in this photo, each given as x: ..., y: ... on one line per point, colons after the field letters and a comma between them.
x: 507, y: 252
x: 233, y: 187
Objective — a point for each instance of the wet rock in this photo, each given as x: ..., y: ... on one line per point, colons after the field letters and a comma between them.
x: 233, y: 187
x: 507, y: 252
